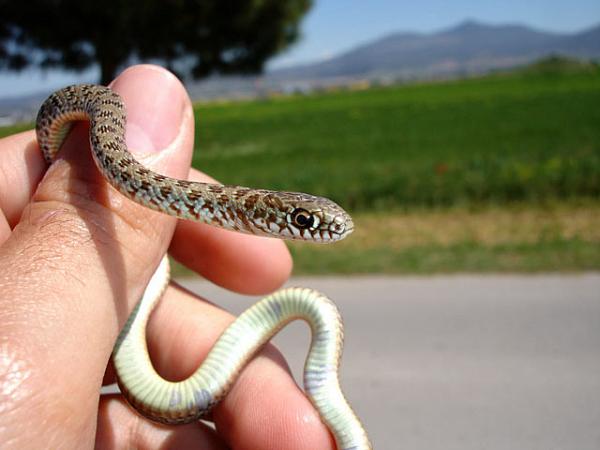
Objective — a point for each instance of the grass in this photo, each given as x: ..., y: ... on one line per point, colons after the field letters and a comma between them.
x: 522, y: 137
x: 500, y: 173
x: 522, y: 238
x: 12, y: 129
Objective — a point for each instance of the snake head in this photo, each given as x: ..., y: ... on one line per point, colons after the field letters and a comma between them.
x: 297, y: 216
x: 317, y: 219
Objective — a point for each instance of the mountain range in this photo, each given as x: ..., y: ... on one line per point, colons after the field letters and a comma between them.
x: 469, y: 47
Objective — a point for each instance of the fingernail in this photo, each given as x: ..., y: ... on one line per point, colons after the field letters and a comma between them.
x: 155, y: 101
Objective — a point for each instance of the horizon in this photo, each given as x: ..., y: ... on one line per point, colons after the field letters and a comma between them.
x: 335, y: 27
x: 450, y: 27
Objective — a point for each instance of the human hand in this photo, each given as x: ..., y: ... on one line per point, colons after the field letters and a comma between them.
x: 74, y: 259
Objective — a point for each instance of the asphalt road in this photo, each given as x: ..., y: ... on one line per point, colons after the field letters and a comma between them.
x: 463, y: 362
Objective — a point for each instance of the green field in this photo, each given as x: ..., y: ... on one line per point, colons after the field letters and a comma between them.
x: 497, y: 139
x: 512, y: 161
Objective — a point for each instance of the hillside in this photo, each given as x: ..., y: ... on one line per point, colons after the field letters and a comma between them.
x: 467, y: 48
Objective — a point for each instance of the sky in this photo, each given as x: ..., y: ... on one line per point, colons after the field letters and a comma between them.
x: 333, y: 26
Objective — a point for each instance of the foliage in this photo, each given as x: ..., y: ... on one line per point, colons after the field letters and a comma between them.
x: 560, y: 65
x: 190, y: 36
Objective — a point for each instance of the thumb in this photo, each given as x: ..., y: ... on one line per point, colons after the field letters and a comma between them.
x: 78, y: 260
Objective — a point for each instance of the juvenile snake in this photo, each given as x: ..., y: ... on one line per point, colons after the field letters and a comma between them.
x: 285, y: 215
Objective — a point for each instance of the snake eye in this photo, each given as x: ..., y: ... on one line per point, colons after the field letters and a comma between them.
x: 302, y: 218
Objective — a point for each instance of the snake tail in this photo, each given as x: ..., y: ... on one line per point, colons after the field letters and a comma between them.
x: 191, y: 399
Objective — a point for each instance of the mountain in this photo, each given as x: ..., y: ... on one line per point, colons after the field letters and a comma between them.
x: 469, y: 47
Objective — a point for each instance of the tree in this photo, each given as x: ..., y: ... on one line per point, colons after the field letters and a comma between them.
x: 191, y: 37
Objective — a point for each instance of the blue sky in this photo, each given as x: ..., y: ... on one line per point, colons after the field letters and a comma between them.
x: 333, y: 26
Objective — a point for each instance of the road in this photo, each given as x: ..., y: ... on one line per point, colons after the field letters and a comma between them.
x: 463, y: 362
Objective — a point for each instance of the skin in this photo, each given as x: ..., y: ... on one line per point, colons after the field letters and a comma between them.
x: 75, y: 257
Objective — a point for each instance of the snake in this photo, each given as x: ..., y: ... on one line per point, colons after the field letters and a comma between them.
x: 283, y: 215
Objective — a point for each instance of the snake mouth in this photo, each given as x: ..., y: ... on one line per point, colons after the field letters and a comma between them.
x: 347, y: 232
x: 348, y: 227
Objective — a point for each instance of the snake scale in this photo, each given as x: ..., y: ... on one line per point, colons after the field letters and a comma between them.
x: 285, y: 215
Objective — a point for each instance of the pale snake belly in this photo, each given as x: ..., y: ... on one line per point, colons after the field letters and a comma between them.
x: 285, y: 215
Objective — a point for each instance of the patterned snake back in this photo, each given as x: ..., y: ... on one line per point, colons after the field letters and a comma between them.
x: 288, y: 215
